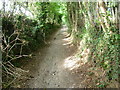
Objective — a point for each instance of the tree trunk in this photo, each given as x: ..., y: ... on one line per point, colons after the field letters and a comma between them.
x: 103, y: 18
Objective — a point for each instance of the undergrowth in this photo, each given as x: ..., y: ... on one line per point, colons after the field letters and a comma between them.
x: 104, y: 51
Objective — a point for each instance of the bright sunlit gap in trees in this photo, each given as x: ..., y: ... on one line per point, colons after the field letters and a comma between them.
x: 1, y: 5
x: 9, y: 5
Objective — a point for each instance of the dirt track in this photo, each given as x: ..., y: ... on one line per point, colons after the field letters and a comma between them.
x: 51, y: 68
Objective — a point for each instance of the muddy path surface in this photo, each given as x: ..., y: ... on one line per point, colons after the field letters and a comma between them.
x: 49, y: 68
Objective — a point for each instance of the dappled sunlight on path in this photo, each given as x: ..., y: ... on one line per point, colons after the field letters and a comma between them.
x: 79, y: 58
x: 75, y: 61
x: 68, y: 41
x: 70, y: 63
x: 58, y: 64
x: 50, y: 66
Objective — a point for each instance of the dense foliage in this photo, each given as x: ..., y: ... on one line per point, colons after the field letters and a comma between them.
x: 22, y: 34
x: 95, y: 27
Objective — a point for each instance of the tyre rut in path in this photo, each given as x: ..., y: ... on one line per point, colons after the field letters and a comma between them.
x: 48, y: 67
